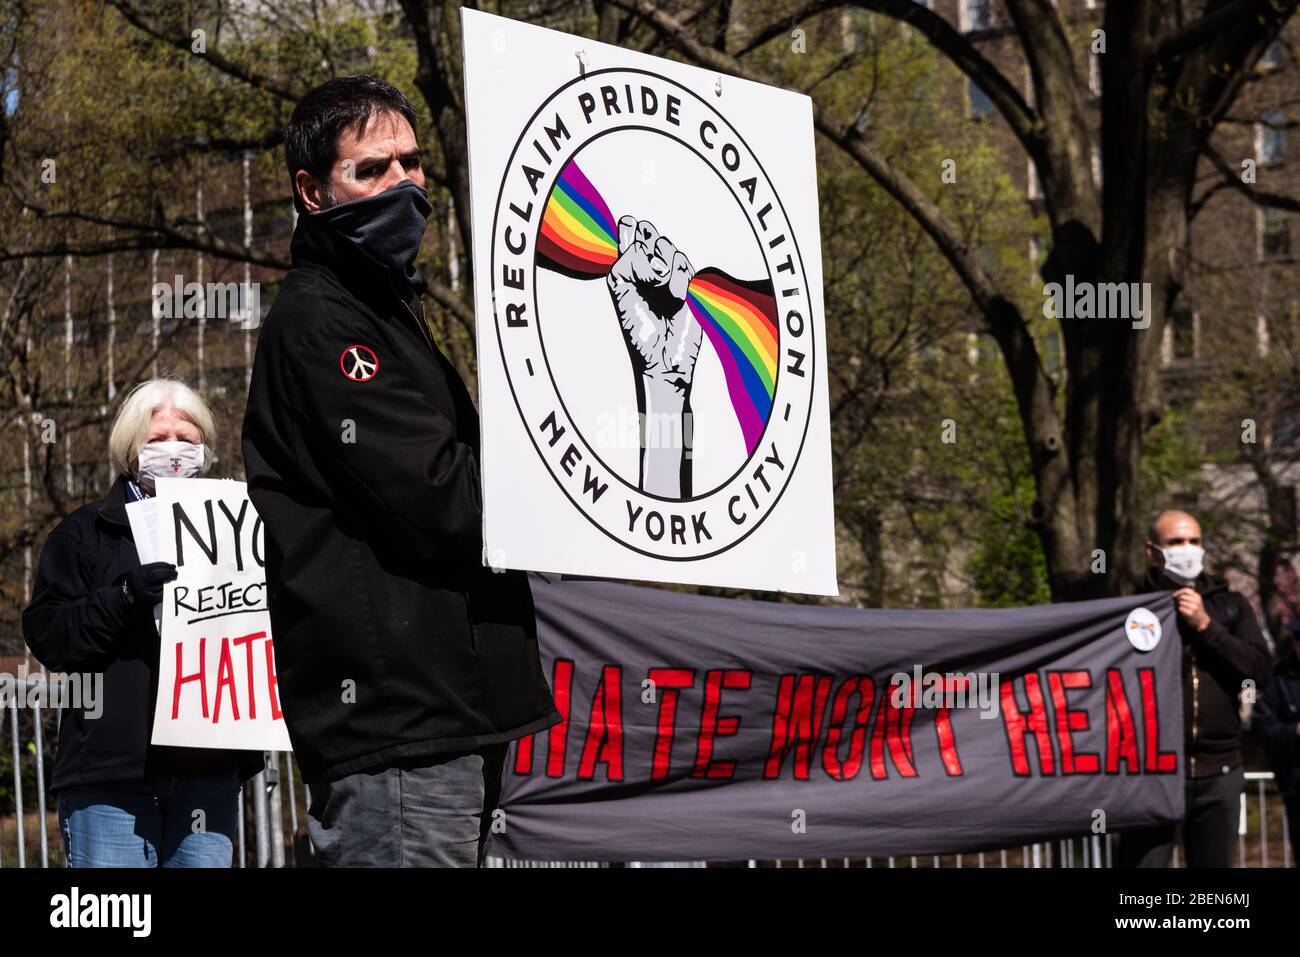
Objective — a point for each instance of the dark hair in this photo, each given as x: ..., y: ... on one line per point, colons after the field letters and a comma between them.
x: 311, y: 138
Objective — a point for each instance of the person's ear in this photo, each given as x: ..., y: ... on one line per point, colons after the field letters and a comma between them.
x: 310, y: 191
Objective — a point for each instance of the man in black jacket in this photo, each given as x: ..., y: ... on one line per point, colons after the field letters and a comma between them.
x: 1224, y: 654
x: 404, y: 665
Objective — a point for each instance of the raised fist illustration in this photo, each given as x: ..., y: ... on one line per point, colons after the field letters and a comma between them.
x: 648, y: 285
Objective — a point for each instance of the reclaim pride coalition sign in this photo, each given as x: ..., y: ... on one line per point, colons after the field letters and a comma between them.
x: 651, y: 340
x: 701, y: 728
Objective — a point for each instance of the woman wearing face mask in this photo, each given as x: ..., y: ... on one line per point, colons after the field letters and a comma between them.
x: 122, y: 801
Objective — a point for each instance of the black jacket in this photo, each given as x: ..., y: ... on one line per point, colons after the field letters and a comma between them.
x: 79, y: 621
x: 1216, y: 662
x: 1274, y: 721
x: 392, y: 640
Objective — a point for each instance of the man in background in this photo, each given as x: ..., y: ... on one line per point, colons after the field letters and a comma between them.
x: 1222, y: 651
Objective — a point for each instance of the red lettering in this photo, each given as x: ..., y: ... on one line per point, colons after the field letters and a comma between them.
x: 893, y: 728
x: 200, y: 676
x: 1158, y: 762
x: 1018, y: 725
x: 225, y: 679
x: 798, y: 716
x: 272, y: 682
x: 1068, y: 721
x: 605, y: 729
x: 712, y: 726
x: 1121, y: 735
x: 667, y: 681
x: 848, y: 769
x: 247, y: 642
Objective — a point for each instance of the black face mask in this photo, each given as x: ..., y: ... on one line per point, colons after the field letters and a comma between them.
x: 387, y: 226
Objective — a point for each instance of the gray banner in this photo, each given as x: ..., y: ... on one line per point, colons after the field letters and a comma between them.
x: 713, y: 729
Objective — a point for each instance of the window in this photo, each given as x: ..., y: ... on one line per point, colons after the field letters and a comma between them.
x: 1052, y: 350
x: 9, y: 91
x: 976, y: 15
x: 1261, y: 335
x: 1274, y: 234
x: 980, y: 104
x: 1274, y: 58
x: 1182, y: 334
x: 1035, y: 188
x: 1270, y: 138
x: 862, y: 122
x: 1286, y: 435
x: 81, y: 331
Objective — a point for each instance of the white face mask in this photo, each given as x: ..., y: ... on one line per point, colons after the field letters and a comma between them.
x: 1183, y: 563
x: 170, y: 460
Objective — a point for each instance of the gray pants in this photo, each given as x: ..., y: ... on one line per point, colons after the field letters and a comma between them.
x: 434, y: 811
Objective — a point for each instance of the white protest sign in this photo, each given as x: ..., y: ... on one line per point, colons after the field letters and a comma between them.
x: 216, y: 670
x: 651, y: 337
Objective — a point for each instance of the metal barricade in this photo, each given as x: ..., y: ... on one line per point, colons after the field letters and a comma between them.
x: 274, y: 794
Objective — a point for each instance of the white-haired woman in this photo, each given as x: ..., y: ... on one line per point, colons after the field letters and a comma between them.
x: 124, y: 802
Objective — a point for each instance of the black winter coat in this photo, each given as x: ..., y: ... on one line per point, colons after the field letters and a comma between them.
x: 361, y: 444
x: 79, y: 621
x: 1274, y: 721
x: 1216, y: 663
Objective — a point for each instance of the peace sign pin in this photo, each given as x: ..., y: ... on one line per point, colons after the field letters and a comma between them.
x: 359, y: 363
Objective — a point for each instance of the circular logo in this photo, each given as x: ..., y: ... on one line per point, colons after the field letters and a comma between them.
x: 359, y: 363
x: 653, y: 313
x: 1143, y: 629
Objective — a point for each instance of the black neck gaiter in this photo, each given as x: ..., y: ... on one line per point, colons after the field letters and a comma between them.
x: 387, y: 226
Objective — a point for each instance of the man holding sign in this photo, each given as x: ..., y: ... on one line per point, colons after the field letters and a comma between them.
x: 404, y: 665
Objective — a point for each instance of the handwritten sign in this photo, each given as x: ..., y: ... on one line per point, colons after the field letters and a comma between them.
x: 216, y: 675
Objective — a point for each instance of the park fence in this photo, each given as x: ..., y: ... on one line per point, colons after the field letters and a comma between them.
x: 278, y: 797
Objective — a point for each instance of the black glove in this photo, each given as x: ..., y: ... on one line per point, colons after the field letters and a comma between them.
x: 144, y: 585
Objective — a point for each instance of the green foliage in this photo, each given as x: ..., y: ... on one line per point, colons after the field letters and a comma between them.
x: 1007, y: 565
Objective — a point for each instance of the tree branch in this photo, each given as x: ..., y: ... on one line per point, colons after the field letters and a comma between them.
x: 1030, y: 381
x: 212, y: 57
x: 1232, y: 180
x: 1020, y: 116
x: 1232, y: 14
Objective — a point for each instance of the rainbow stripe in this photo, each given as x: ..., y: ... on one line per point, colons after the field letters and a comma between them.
x: 739, y: 318
x: 579, y: 238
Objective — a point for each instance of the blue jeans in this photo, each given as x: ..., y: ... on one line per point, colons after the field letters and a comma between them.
x: 165, y: 821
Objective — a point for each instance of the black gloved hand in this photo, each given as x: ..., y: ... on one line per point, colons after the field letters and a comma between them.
x: 144, y: 585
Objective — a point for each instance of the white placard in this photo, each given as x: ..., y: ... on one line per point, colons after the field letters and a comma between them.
x: 216, y: 670
x: 646, y: 415
x: 143, y: 518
